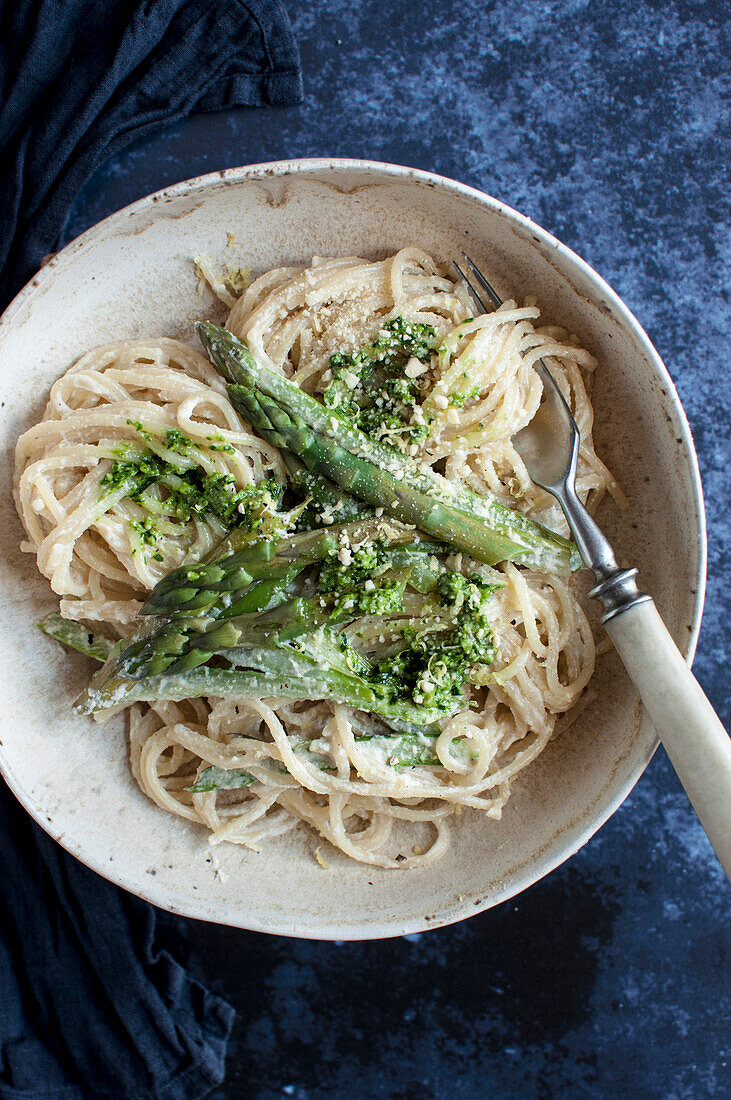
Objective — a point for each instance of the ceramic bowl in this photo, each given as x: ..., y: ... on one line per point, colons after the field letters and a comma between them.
x: 131, y: 275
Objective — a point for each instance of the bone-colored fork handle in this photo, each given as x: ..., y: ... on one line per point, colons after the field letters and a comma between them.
x: 696, y: 742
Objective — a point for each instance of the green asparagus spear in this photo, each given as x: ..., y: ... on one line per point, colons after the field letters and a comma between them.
x: 381, y: 487
x: 285, y: 653
x: 180, y: 646
x: 279, y: 669
x: 237, y: 561
x: 329, y: 500
x: 245, y: 683
x: 328, y: 444
x: 75, y: 636
x: 238, y: 598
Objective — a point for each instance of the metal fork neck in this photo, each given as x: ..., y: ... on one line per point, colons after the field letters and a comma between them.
x: 616, y: 589
x: 618, y: 593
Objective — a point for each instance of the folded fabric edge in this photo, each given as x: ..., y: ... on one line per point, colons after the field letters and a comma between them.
x: 282, y: 88
x: 274, y: 23
x: 196, y: 1080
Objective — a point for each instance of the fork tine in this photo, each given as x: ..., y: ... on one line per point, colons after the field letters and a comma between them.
x: 492, y: 295
x: 476, y: 299
x: 495, y: 300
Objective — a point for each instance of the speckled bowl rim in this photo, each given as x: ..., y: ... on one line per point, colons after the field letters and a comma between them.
x: 583, y: 829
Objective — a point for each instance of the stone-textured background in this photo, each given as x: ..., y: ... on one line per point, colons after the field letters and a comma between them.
x: 603, y: 122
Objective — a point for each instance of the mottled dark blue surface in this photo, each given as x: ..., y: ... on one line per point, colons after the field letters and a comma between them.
x: 602, y: 121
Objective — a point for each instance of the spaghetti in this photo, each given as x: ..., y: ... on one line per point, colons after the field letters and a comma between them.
x: 285, y: 761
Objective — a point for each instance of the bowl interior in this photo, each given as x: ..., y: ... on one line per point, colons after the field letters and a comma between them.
x: 132, y: 275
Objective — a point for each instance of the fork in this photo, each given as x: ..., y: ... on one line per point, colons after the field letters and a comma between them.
x: 696, y: 742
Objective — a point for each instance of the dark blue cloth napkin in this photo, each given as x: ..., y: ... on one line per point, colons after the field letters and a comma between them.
x: 91, y: 1003
x: 80, y: 79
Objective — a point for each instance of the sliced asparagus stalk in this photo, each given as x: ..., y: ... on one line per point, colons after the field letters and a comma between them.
x: 221, y: 779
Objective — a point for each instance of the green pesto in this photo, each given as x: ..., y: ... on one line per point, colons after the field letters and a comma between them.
x: 433, y: 667
x: 140, y: 429
x: 413, y: 338
x: 369, y: 385
x: 383, y: 600
x: 177, y: 442
x: 135, y: 471
x: 195, y: 493
x: 145, y: 529
x: 458, y: 400
x: 365, y: 563
x: 189, y: 492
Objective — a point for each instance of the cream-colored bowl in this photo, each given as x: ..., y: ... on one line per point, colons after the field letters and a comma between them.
x: 131, y: 275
